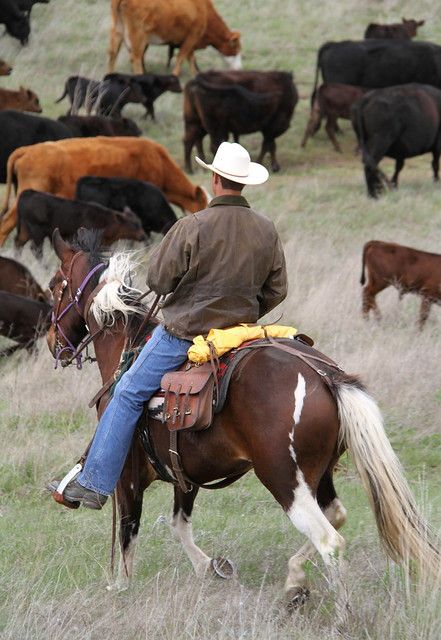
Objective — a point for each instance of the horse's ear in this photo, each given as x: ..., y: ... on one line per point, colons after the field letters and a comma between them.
x: 60, y: 247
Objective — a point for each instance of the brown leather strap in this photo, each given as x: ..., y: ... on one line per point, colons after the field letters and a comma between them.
x: 106, y: 386
x: 305, y: 357
x: 176, y: 462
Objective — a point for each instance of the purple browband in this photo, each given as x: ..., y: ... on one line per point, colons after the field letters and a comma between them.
x: 74, y: 302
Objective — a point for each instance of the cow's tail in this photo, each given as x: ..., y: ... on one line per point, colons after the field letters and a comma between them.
x: 363, y: 263
x: 373, y: 175
x: 318, y: 67
x: 15, y: 155
x: 64, y: 94
x: 403, y: 531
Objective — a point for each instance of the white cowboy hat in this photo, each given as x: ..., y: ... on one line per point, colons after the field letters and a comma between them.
x: 232, y: 161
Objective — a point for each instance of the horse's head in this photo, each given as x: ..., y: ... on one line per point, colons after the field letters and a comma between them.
x: 71, y: 287
x: 87, y: 288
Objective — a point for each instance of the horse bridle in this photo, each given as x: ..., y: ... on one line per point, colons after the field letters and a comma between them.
x: 74, y: 303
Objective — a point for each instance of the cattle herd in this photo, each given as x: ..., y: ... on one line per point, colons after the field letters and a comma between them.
x: 95, y: 170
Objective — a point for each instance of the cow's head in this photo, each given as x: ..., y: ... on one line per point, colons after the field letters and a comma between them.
x: 411, y: 26
x: 5, y: 68
x: 29, y: 101
x: 230, y: 49
x: 126, y: 226
x: 19, y: 27
x: 170, y: 83
x: 128, y: 128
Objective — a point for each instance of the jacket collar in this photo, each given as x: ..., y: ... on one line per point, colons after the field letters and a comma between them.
x: 232, y: 201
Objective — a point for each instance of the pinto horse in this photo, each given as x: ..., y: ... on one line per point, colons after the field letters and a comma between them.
x: 280, y: 419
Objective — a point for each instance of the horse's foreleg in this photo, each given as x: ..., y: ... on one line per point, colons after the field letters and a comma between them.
x: 182, y: 528
x: 137, y: 475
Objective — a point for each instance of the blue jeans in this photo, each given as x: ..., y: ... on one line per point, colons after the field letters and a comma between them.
x: 105, y: 460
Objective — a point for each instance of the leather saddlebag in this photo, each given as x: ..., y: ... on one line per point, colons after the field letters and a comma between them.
x: 188, y: 401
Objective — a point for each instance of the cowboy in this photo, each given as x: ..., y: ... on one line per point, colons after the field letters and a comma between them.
x: 219, y: 267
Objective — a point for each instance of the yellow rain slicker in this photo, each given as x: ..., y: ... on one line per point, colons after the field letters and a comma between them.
x: 223, y: 340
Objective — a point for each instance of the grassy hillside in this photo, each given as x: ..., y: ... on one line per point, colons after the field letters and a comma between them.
x: 54, y: 563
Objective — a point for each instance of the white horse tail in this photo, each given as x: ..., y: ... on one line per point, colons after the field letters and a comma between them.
x: 403, y: 531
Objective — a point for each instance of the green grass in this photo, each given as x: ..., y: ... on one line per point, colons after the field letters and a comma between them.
x: 53, y: 562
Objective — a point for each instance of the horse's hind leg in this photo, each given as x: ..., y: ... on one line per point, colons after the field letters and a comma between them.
x: 307, y: 516
x: 295, y: 586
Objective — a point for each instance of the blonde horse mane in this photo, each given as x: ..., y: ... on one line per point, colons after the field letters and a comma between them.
x: 118, y: 295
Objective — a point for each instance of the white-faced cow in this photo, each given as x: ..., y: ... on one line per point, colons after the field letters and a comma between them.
x: 189, y: 24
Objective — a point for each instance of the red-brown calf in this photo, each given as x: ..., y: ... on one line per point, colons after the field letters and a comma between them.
x: 23, y: 100
x: 406, y: 30
x: 331, y: 101
x: 407, y: 269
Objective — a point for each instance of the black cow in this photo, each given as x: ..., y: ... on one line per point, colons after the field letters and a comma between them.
x: 91, y: 126
x: 379, y: 63
x: 398, y: 122
x: 107, y: 97
x: 23, y: 320
x: 19, y: 129
x: 151, y: 85
x: 82, y: 92
x: 239, y: 102
x: 146, y: 200
x: 39, y: 214
x: 16, y: 22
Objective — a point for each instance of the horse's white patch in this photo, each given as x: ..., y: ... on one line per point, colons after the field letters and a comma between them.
x: 184, y: 531
x: 309, y: 519
x: 234, y: 62
x: 299, y: 397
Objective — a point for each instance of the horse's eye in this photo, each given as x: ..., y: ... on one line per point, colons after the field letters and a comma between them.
x: 51, y: 284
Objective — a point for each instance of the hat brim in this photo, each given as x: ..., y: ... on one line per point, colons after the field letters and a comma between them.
x: 257, y: 174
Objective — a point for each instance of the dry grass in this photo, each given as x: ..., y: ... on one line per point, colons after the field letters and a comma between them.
x: 53, y: 565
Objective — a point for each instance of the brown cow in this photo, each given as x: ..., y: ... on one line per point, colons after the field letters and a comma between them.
x: 409, y: 270
x: 189, y: 24
x: 406, y: 30
x: 55, y: 167
x: 16, y: 278
x: 23, y: 100
x: 331, y: 101
x: 5, y: 68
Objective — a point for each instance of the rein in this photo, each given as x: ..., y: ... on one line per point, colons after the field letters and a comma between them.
x: 74, y: 302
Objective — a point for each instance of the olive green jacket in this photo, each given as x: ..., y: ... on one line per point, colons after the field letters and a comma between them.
x: 221, y: 266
